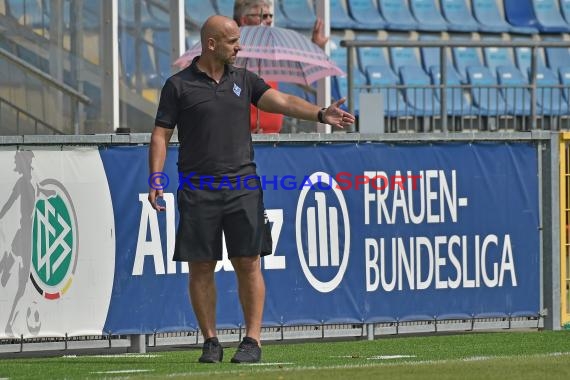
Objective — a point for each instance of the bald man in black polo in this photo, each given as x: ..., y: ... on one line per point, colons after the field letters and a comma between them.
x: 209, y: 102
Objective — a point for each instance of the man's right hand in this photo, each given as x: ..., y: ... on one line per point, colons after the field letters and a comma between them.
x: 156, y: 155
x: 153, y: 196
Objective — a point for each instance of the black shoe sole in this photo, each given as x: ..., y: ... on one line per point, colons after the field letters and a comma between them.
x: 209, y: 361
x: 245, y: 361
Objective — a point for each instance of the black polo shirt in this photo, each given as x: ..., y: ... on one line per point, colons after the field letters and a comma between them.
x: 212, y: 119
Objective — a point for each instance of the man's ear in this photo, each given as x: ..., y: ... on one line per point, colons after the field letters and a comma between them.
x: 211, y: 44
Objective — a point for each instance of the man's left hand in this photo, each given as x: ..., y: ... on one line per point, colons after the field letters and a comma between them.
x: 336, y: 117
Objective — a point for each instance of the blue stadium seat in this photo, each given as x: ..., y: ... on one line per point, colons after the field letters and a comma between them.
x: 523, y: 59
x: 397, y: 14
x: 280, y: 19
x: 430, y: 55
x: 428, y: 15
x: 549, y: 97
x: 565, y: 10
x: 226, y: 7
x: 418, y: 92
x: 456, y: 101
x: 497, y: 56
x: 487, y: 14
x: 339, y: 16
x: 383, y: 80
x: 338, y: 54
x: 458, y: 16
x: 564, y: 73
x: 557, y: 57
x: 293, y: 89
x: 366, y: 14
x: 299, y: 14
x: 520, y: 13
x: 368, y: 56
x: 548, y: 15
x: 487, y: 99
x: 403, y: 56
x: 311, y: 96
x: 517, y: 97
x: 541, y: 14
x: 465, y: 57
x: 198, y: 11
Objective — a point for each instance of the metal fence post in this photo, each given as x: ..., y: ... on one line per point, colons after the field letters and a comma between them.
x: 370, y: 331
x: 443, y: 87
x: 138, y: 343
x: 350, y: 80
x: 533, y: 98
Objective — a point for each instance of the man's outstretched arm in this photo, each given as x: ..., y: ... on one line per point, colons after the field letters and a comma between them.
x: 278, y: 102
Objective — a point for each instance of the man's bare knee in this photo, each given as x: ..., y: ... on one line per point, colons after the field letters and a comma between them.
x: 201, y: 269
x: 246, y: 265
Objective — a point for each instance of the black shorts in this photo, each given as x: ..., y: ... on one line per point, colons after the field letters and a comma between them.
x: 205, y: 213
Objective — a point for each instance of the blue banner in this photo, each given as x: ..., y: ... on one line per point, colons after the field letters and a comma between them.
x: 362, y: 233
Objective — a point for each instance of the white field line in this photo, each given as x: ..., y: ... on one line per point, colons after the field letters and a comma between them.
x: 379, y: 357
x: 388, y: 357
x: 373, y: 364
x: 270, y: 364
x: 119, y: 356
x: 121, y: 371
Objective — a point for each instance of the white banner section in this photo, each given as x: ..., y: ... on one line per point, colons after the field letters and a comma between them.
x: 57, y: 243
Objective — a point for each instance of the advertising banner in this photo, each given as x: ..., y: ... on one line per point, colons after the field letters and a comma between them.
x: 361, y: 233
x: 57, y: 243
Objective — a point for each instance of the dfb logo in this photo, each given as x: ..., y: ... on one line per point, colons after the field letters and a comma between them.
x: 322, y: 225
x: 54, y: 241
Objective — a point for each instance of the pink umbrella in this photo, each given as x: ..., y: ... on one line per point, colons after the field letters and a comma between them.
x: 276, y: 54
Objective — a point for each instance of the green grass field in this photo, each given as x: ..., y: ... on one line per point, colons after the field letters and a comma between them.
x: 497, y: 355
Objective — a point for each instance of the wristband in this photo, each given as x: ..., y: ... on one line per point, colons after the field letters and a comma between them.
x: 320, y: 115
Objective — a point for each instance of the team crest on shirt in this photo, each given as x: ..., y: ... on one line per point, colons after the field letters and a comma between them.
x: 237, y: 89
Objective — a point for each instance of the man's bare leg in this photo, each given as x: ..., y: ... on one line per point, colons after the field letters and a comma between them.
x: 251, y: 288
x: 203, y: 295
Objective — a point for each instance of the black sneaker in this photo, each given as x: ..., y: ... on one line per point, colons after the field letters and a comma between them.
x: 248, y: 352
x: 212, y: 351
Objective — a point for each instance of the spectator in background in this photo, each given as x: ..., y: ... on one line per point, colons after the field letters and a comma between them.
x: 258, y: 12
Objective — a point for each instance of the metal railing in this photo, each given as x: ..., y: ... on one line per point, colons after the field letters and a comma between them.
x: 74, y: 96
x: 493, y: 106
x: 45, y: 77
x: 37, y: 126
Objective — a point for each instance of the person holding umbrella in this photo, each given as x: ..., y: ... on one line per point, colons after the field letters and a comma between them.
x: 258, y: 12
x: 209, y: 102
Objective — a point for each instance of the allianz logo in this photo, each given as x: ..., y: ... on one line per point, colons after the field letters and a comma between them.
x: 319, y: 217
x: 322, y: 236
